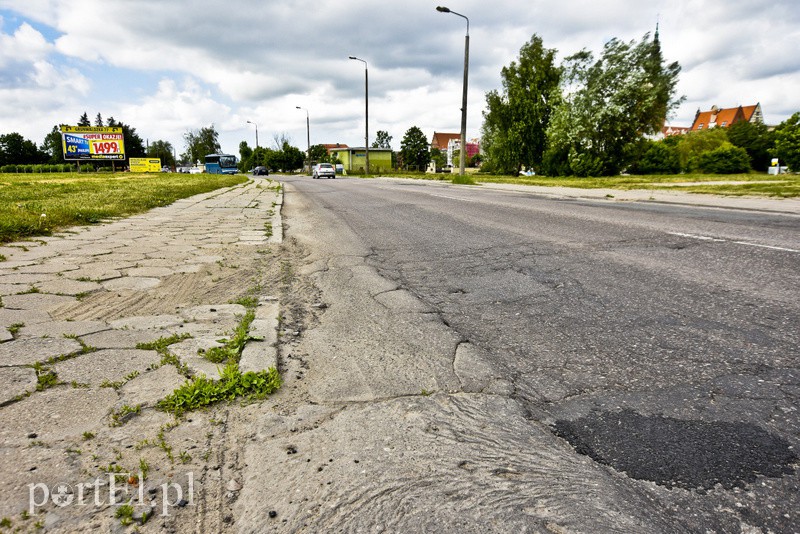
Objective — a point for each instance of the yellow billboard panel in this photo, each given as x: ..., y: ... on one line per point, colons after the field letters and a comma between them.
x: 145, y: 164
x: 92, y: 142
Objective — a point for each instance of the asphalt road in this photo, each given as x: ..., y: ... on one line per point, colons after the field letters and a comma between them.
x: 659, y: 340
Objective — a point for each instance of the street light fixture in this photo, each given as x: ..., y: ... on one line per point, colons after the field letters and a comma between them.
x: 308, y: 137
x: 256, y: 125
x: 366, y: 112
x: 462, y: 158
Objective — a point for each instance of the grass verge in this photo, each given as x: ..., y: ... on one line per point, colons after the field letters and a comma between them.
x: 35, y: 205
x: 755, y: 184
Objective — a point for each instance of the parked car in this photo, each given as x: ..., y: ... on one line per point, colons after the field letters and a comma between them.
x: 323, y: 170
x: 260, y: 171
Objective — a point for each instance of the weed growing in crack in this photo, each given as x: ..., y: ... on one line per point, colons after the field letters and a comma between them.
x: 201, y: 391
x: 31, y: 290
x: 119, y: 383
x: 15, y: 328
x: 231, y: 351
x: 125, y: 514
x: 125, y: 413
x: 85, y: 349
x: 46, y: 378
x: 161, y: 346
x: 144, y: 468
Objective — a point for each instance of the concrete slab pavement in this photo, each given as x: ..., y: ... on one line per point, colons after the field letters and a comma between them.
x: 73, y: 310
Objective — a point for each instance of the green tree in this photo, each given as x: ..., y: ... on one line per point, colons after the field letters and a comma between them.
x: 514, y: 132
x: 787, y: 142
x: 609, y: 106
x: 414, y: 149
x: 245, y: 157
x: 658, y: 158
x: 286, y: 159
x: 84, y: 120
x: 134, y: 145
x: 382, y: 140
x: 16, y: 150
x: 438, y: 157
x: 53, y: 146
x: 693, y: 144
x: 756, y: 139
x: 200, y: 143
x: 98, y: 120
x: 162, y: 150
x: 727, y: 159
x: 319, y: 154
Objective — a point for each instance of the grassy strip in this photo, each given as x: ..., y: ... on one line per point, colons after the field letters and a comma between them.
x: 33, y: 205
x: 201, y: 391
x: 783, y: 186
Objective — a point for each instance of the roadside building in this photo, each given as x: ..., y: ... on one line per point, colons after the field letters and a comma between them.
x: 354, y: 159
x: 441, y: 140
x: 334, y: 146
x: 724, y: 117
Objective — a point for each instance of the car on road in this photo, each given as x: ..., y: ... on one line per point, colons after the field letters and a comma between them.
x: 323, y: 170
x: 260, y: 171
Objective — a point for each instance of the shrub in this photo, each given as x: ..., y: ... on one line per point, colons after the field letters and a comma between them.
x: 727, y: 159
x: 659, y: 158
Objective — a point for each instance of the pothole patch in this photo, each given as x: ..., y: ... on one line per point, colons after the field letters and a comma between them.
x: 679, y: 453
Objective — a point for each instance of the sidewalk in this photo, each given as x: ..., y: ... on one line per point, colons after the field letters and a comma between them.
x: 77, y: 395
x: 770, y: 205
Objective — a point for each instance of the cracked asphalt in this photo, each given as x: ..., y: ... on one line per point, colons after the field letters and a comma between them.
x: 499, y: 360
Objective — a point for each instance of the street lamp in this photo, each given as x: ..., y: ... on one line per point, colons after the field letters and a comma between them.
x: 366, y: 112
x: 462, y: 158
x: 256, y: 125
x: 308, y: 137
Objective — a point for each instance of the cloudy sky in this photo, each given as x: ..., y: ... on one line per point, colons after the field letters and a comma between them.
x: 168, y: 66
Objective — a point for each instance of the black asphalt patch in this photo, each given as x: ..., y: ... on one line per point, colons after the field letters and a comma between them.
x: 679, y: 453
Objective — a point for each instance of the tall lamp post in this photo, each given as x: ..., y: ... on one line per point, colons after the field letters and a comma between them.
x: 366, y: 111
x: 256, y: 125
x: 308, y: 137
x: 462, y: 158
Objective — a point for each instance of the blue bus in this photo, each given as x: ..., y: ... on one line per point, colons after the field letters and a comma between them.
x: 221, y: 164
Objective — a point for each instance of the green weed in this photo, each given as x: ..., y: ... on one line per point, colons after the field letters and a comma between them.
x: 200, y: 391
x: 45, y: 378
x: 231, y: 351
x: 125, y: 514
x: 144, y: 468
x: 125, y: 413
x: 15, y: 328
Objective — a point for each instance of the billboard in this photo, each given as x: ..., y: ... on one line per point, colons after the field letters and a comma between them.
x: 92, y: 142
x: 145, y: 164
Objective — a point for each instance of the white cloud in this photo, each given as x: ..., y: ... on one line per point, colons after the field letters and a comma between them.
x: 229, y: 62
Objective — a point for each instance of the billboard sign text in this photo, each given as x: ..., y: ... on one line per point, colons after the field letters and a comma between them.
x: 92, y: 142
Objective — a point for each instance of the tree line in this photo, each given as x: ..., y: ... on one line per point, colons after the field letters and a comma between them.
x: 16, y: 150
x: 599, y: 116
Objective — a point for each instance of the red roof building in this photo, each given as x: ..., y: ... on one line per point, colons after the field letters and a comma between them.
x: 441, y: 140
x: 334, y: 146
x: 724, y: 117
